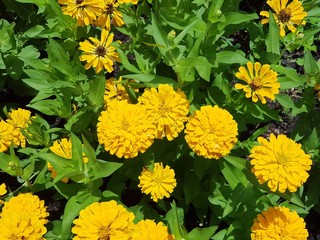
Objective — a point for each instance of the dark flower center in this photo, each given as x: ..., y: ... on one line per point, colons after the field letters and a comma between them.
x: 109, y: 9
x: 284, y: 15
x: 256, y: 83
x: 101, y: 51
x: 79, y: 2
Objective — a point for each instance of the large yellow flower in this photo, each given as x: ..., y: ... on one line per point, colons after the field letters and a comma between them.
x: 211, y: 132
x: 106, y: 220
x: 279, y: 223
x: 19, y: 119
x: 159, y: 181
x: 125, y: 129
x: 110, y: 15
x: 63, y: 148
x: 85, y: 11
x: 23, y: 217
x: 261, y: 82
x: 99, y: 54
x: 286, y: 15
x: 168, y: 109
x: 115, y: 91
x: 149, y: 230
x: 6, y: 135
x: 281, y: 162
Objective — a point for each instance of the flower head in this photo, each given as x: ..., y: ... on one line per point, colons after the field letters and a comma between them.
x: 23, y: 217
x: 211, y: 132
x: 99, y: 54
x: 3, y: 189
x: 125, y: 129
x: 149, y: 230
x: 110, y: 15
x: 19, y: 119
x: 115, y: 91
x: 6, y: 135
x: 285, y: 15
x: 106, y: 220
x: 159, y: 182
x: 85, y: 11
x: 281, y: 162
x: 168, y: 108
x: 279, y: 223
x: 261, y: 82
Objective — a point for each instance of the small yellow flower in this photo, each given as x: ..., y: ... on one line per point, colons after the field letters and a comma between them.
x: 261, y: 82
x: 99, y: 54
x: 115, y: 91
x: 211, y: 132
x: 159, y: 182
x: 289, y: 16
x: 128, y: 1
x: 85, y: 11
x: 125, y: 129
x: 19, y: 119
x: 279, y: 223
x: 110, y: 15
x: 106, y: 220
x: 149, y: 230
x: 63, y: 148
x: 6, y: 135
x: 3, y: 189
x: 280, y: 162
x: 168, y: 109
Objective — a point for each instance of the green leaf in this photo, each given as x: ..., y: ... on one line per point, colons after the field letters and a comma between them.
x: 159, y: 35
x: 175, y: 220
x: 34, y: 31
x: 96, y: 92
x: 310, y: 64
x: 191, y: 187
x: 202, y: 233
x: 273, y: 40
x: 125, y: 62
x: 232, y: 172
x: 56, y: 53
x: 237, y: 18
x: 151, y: 80
x: 101, y: 168
x: 285, y: 101
x: 228, y: 57
x: 214, y: 11
x: 290, y: 78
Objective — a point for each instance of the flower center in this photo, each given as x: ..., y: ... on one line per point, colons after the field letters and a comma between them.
x: 125, y: 125
x: 79, y: 1
x: 109, y: 9
x: 256, y: 83
x: 284, y: 15
x: 104, y: 233
x: 282, y: 158
x: 101, y: 51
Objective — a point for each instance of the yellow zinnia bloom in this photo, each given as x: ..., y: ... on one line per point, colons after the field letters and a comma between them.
x: 85, y: 11
x: 110, y: 15
x: 63, y: 148
x: 261, y: 82
x: 211, y: 132
x: 281, y: 162
x: 99, y: 54
x: 149, y: 230
x: 125, y: 129
x: 115, y: 91
x: 168, y: 109
x: 128, y: 1
x: 19, y: 119
x: 3, y: 189
x: 279, y: 223
x: 286, y: 15
x: 23, y: 217
x: 106, y: 220
x: 159, y: 182
x: 6, y: 135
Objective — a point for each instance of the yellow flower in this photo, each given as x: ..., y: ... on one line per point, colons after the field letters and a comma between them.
x: 63, y: 148
x: 279, y: 223
x: 19, y: 119
x: 168, y: 109
x: 149, y: 230
x: 106, y: 220
x: 211, y: 132
x: 3, y: 189
x: 114, y: 90
x: 85, y: 11
x: 100, y: 54
x: 128, y: 1
x: 125, y: 129
x: 23, y: 217
x: 110, y: 15
x: 6, y: 135
x: 286, y: 15
x: 261, y: 82
x: 159, y: 182
x: 281, y: 162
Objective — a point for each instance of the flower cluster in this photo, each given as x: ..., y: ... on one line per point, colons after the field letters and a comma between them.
x: 109, y: 220
x: 23, y: 217
x: 11, y: 129
x: 279, y: 223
